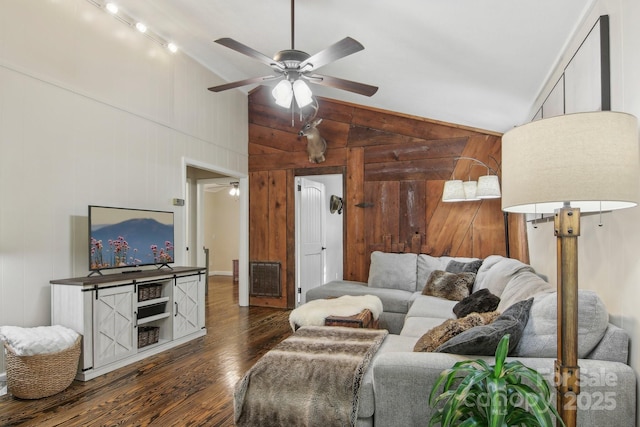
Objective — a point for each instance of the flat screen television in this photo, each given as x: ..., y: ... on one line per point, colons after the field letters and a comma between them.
x: 123, y: 237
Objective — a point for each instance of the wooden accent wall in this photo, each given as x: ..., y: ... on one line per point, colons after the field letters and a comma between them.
x: 394, y: 168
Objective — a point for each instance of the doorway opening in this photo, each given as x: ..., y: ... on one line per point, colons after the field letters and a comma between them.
x: 216, y: 226
x: 319, y: 232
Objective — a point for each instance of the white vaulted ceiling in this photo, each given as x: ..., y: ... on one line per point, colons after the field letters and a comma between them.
x: 480, y: 63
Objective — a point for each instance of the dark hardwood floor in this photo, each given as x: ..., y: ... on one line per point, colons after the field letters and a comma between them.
x: 190, y: 385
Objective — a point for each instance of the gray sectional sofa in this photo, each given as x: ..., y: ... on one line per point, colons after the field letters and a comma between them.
x: 397, y: 384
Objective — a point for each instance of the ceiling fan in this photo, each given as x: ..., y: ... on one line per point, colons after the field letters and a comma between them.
x: 293, y: 67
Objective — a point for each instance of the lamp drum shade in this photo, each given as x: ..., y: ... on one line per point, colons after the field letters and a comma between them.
x: 470, y: 189
x: 488, y: 187
x: 453, y: 191
x: 591, y: 160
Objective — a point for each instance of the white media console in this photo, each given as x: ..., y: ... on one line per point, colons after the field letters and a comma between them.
x: 126, y: 317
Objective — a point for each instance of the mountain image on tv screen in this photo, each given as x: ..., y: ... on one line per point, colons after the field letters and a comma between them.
x: 126, y: 237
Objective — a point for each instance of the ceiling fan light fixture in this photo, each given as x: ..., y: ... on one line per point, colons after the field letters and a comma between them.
x: 302, y: 93
x: 283, y: 93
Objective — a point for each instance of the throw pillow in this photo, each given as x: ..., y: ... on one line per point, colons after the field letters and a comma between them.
x: 480, y: 301
x: 483, y: 340
x: 451, y: 286
x: 464, y: 267
x: 540, y: 336
x: 437, y: 336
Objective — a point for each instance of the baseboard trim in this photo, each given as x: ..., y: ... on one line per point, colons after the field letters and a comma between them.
x: 220, y: 273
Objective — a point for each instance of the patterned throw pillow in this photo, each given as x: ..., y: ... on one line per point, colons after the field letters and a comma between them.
x: 439, y: 335
x: 451, y: 286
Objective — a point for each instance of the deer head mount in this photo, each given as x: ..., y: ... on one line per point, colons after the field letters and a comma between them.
x: 316, y: 144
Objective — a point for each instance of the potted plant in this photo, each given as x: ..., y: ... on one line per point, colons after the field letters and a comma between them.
x: 477, y: 394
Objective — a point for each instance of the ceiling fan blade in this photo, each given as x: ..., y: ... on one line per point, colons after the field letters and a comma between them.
x: 246, y: 50
x: 338, y: 50
x: 245, y: 82
x: 338, y: 83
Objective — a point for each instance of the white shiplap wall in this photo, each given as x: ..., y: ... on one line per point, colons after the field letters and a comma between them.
x: 91, y: 112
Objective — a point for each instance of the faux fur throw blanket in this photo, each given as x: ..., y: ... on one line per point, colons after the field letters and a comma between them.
x: 310, y: 379
x: 314, y: 312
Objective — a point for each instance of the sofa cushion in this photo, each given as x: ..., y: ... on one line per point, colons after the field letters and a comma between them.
x: 452, y: 286
x: 522, y: 286
x: 428, y: 306
x: 427, y: 264
x: 481, y: 301
x: 463, y: 267
x: 539, y: 338
x: 496, y: 271
x: 442, y: 333
x: 483, y: 340
x: 393, y: 271
x: 614, y: 346
x: 393, y: 300
x: 418, y: 326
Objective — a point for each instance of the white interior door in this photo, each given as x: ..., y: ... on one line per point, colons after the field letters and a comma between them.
x: 311, y: 207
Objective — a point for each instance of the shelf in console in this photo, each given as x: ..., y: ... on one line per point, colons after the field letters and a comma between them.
x: 152, y: 301
x: 153, y: 318
x: 150, y: 346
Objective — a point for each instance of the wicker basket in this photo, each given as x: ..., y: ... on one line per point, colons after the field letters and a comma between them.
x: 148, y: 335
x: 41, y: 375
x: 150, y: 291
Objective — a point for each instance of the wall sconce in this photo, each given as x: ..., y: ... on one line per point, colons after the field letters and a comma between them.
x: 235, y: 190
x: 487, y: 186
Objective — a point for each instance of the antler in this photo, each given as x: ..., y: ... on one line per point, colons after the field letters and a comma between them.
x: 315, y: 106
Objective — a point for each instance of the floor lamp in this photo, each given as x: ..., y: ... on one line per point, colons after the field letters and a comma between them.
x: 584, y: 162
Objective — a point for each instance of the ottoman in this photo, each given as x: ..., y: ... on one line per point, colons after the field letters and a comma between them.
x: 347, y: 310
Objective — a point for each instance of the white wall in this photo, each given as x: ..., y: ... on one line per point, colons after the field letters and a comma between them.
x: 91, y: 112
x: 222, y: 230
x: 608, y: 255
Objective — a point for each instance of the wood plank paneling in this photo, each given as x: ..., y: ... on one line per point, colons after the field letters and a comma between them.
x: 415, y: 150
x: 355, y: 267
x: 277, y: 234
x: 258, y: 212
x: 425, y: 169
x: 410, y: 126
x: 395, y: 167
x: 291, y: 240
x: 413, y: 205
x: 382, y: 218
x: 294, y: 160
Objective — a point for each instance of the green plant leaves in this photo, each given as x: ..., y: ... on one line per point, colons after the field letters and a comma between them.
x: 477, y: 394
